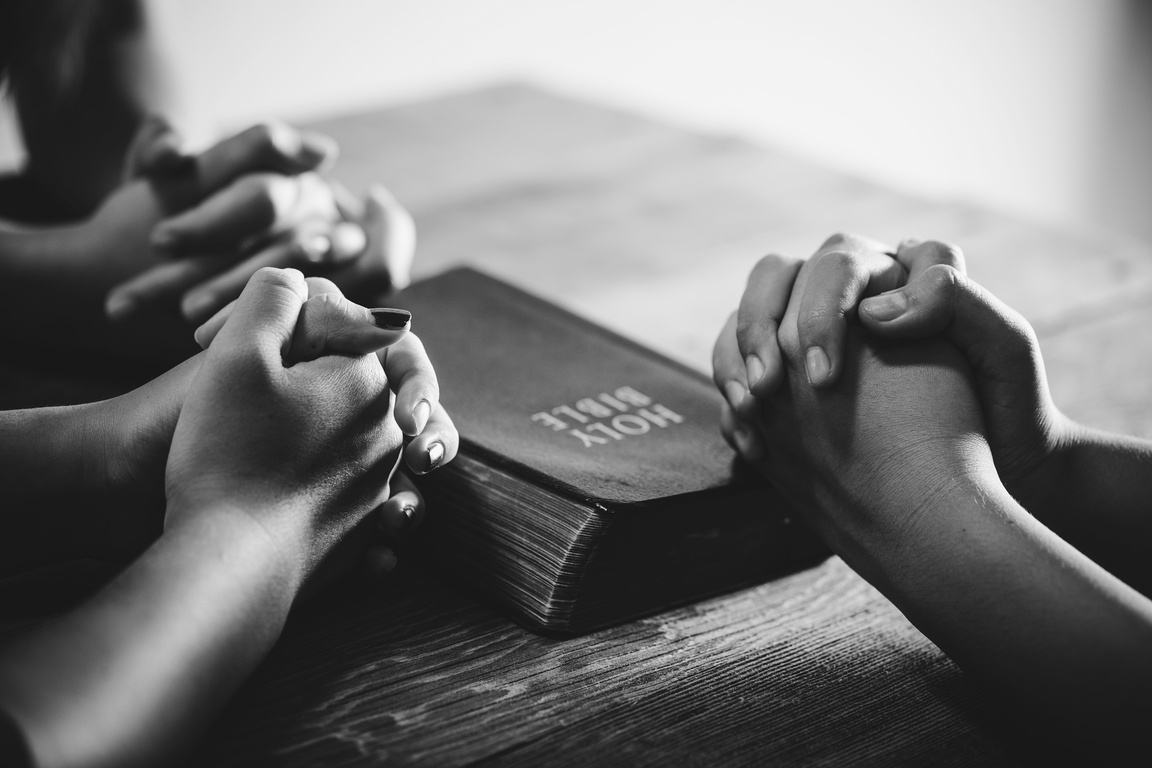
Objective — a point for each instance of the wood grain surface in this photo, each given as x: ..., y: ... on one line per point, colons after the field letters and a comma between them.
x: 652, y: 230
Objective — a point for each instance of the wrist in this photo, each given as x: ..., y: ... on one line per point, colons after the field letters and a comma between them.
x: 932, y: 533
x: 54, y: 471
x: 230, y: 532
x: 1040, y: 478
x: 905, y: 499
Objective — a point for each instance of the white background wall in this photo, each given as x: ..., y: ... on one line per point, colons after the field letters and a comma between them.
x: 1043, y: 107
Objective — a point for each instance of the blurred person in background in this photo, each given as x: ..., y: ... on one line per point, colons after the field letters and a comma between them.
x: 117, y: 242
x: 113, y: 218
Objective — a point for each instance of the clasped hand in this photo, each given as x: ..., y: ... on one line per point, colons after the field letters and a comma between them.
x: 191, y: 229
x: 862, y: 429
x: 289, y: 419
x: 133, y: 432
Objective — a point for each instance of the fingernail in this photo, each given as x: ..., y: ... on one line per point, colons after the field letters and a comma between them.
x: 435, y: 456
x: 391, y: 320
x: 735, y: 392
x: 318, y: 148
x: 816, y: 365
x: 755, y: 370
x: 409, y: 516
x: 885, y: 307
x: 420, y: 415
x: 316, y: 248
x: 909, y: 242
x: 118, y: 306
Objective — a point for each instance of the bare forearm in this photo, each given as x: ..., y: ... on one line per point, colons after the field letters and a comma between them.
x: 1027, y: 613
x: 165, y: 645
x: 1100, y: 501
x: 53, y: 284
x: 51, y: 474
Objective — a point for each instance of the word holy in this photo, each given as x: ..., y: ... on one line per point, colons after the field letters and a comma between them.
x: 606, y: 417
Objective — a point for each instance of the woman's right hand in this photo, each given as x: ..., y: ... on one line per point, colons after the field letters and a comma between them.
x: 1026, y: 430
x: 306, y: 449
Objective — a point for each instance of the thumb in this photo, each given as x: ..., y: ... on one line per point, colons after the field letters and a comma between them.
x: 997, y: 341
x: 330, y: 324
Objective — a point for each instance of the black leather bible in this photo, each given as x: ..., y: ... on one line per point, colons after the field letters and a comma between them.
x: 592, y: 484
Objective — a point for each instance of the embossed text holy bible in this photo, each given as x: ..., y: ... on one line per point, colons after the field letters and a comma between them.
x: 592, y: 484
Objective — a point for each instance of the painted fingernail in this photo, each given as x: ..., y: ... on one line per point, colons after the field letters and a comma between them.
x: 755, y: 370
x: 420, y: 415
x: 118, y: 306
x: 316, y: 248
x: 816, y: 365
x: 409, y: 517
x: 735, y: 392
x: 391, y: 319
x: 885, y: 307
x: 435, y: 456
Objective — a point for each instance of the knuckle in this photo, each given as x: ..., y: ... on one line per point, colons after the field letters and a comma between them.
x: 744, y: 329
x: 1021, y: 331
x: 813, y: 322
x: 945, y: 281
x: 326, y: 302
x: 840, y: 260
x: 321, y: 286
x: 835, y: 240
x: 277, y: 277
x: 948, y: 254
x: 268, y: 136
x: 768, y: 264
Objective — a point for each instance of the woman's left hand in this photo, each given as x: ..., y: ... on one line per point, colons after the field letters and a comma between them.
x: 284, y: 216
x: 431, y: 437
x: 862, y: 458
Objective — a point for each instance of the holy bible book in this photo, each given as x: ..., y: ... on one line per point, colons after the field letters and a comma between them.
x: 592, y: 484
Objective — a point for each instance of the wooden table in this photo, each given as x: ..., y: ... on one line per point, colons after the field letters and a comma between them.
x: 627, y: 221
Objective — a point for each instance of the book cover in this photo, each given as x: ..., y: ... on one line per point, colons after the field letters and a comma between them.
x: 593, y: 485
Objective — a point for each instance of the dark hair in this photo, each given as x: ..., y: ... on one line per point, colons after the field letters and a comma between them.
x: 50, y: 41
